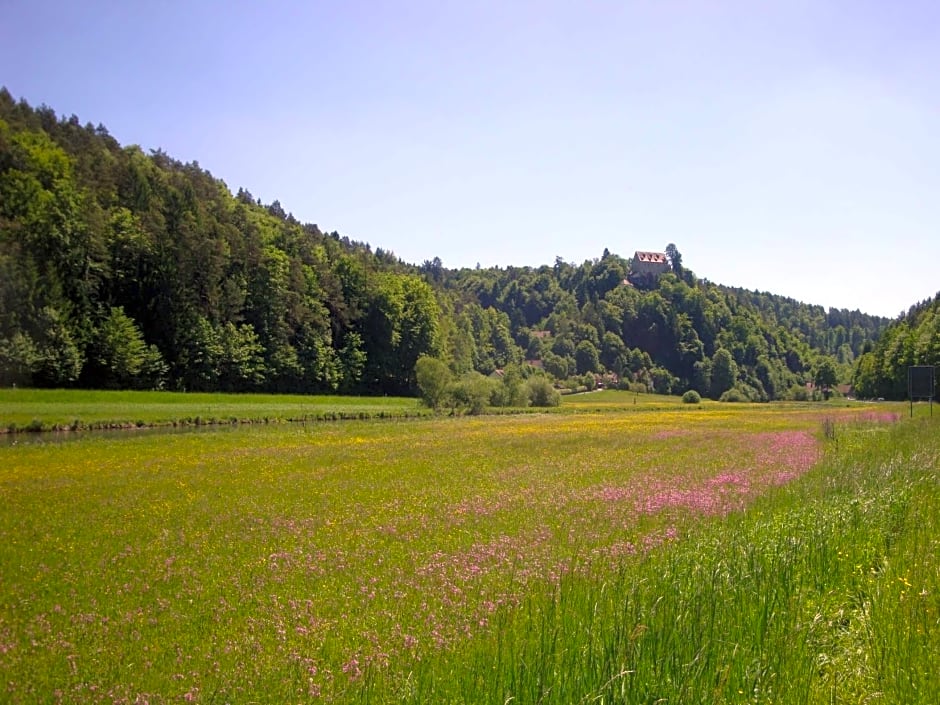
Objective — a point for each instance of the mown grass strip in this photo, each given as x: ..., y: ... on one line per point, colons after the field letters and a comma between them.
x: 77, y: 410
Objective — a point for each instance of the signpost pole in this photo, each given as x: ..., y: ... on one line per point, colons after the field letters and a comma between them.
x: 921, y: 384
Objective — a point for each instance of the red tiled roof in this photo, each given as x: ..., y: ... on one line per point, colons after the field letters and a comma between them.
x: 658, y: 257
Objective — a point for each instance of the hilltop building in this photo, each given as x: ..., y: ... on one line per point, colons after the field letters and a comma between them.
x: 649, y: 263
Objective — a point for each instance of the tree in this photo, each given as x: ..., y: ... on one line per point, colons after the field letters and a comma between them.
x: 586, y: 357
x: 433, y: 269
x: 18, y: 358
x: 123, y: 357
x: 241, y: 362
x: 418, y: 327
x: 511, y: 390
x: 724, y: 373
x: 555, y: 365
x: 352, y: 361
x: 433, y: 379
x: 663, y: 382
x: 675, y: 259
x: 826, y: 376
x: 58, y: 359
x: 463, y: 347
x: 612, y: 350
x: 401, y: 326
x: 702, y: 376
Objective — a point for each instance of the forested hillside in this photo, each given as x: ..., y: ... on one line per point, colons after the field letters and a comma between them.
x: 672, y: 333
x: 124, y: 269
x: 912, y: 340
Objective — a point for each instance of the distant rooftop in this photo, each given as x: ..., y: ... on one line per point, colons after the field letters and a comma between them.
x: 657, y: 257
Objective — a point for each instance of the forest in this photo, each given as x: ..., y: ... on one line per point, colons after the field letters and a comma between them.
x: 914, y: 339
x: 126, y: 269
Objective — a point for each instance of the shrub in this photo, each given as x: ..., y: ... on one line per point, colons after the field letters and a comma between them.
x: 472, y: 391
x: 573, y: 385
x: 798, y: 392
x: 433, y: 378
x: 733, y: 395
x: 663, y: 381
x: 691, y: 397
x: 751, y: 392
x: 510, y: 390
x: 541, y: 392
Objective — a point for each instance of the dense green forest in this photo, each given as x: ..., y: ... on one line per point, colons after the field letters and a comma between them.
x: 914, y: 339
x: 126, y: 269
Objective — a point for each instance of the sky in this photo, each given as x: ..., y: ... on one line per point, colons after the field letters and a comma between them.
x: 790, y: 147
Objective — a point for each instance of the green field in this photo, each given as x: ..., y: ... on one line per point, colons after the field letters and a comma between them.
x: 721, y: 554
x: 56, y: 409
x: 60, y: 410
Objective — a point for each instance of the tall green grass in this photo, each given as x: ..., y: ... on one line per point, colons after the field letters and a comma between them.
x: 827, y: 591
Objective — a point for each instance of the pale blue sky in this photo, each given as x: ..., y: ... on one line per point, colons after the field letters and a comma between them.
x: 791, y: 146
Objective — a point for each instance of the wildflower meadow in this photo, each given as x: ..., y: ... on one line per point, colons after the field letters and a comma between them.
x: 754, y: 554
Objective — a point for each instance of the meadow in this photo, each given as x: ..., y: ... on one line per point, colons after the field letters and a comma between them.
x: 34, y: 410
x: 722, y: 554
x: 78, y: 409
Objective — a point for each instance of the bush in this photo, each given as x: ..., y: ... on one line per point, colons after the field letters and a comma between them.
x: 752, y: 393
x: 542, y: 393
x: 663, y: 381
x: 734, y: 395
x: 433, y: 378
x: 798, y: 392
x: 691, y: 397
x: 472, y: 391
x: 573, y: 385
x: 510, y: 390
